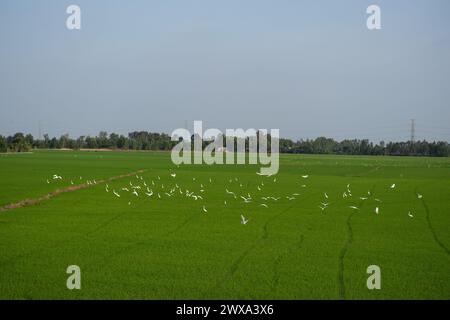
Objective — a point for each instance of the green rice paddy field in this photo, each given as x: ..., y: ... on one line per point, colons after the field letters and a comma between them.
x: 190, y: 243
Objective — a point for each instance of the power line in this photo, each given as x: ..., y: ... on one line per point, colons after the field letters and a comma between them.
x: 413, y: 130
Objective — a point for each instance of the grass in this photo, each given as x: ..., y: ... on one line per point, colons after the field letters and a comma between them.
x: 149, y: 248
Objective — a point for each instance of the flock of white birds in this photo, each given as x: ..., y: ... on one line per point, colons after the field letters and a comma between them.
x: 156, y: 189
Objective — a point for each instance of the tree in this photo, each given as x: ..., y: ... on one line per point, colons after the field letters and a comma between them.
x: 91, y: 142
x: 3, y: 146
x: 19, y: 144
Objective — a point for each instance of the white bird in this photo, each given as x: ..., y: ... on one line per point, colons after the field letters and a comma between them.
x: 259, y: 189
x: 377, y: 200
x: 353, y: 207
x: 377, y: 210
x: 225, y: 202
x: 243, y: 220
x: 229, y: 192
x: 149, y: 194
x: 159, y: 196
x: 116, y: 194
x: 344, y: 195
x: 135, y: 193
x: 173, y: 175
x: 393, y: 186
x: 419, y: 196
x: 410, y: 214
x: 290, y: 198
x: 48, y: 181
x: 125, y: 189
x: 326, y: 196
x: 363, y: 198
x: 204, y: 209
x: 305, y: 176
x: 264, y: 205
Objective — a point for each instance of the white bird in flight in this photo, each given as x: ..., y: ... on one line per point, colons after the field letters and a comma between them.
x: 353, y: 207
x: 204, y: 209
x: 116, y: 194
x: 419, y: 196
x: 393, y: 186
x: 410, y: 214
x: 243, y: 220
x: 173, y: 175
x: 305, y: 176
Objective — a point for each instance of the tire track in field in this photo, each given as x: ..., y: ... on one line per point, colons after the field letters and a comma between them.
x: 186, y: 221
x: 345, y: 248
x: 432, y: 230
x: 106, y: 223
x: 265, y: 234
x: 57, y: 192
x: 277, y: 263
x: 235, y: 265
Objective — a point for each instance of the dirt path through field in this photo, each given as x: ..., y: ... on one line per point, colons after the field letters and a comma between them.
x: 30, y: 202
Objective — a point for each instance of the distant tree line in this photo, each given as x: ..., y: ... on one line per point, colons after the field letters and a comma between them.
x: 142, y: 140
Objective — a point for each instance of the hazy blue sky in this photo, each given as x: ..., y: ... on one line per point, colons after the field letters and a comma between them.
x: 309, y: 68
